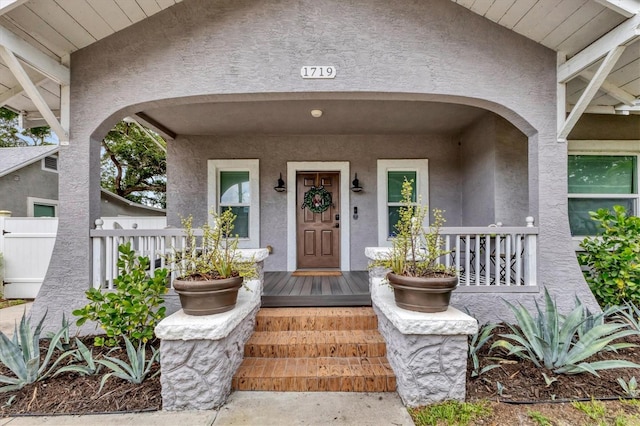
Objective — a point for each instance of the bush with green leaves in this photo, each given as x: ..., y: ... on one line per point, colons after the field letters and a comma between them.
x: 134, y: 308
x: 613, y: 257
x: 562, y: 343
x: 21, y: 355
x: 135, y: 370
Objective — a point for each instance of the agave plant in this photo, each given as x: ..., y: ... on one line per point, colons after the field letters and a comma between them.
x: 134, y: 371
x: 21, y: 355
x: 563, y: 343
x: 84, y: 364
x: 476, y: 342
x: 629, y: 314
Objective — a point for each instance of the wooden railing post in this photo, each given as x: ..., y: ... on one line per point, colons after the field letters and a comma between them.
x: 530, y: 253
x: 99, y: 258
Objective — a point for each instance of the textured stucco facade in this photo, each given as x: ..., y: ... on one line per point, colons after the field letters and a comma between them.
x: 236, y: 51
x: 29, y: 181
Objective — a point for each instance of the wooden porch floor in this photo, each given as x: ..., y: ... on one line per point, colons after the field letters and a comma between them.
x: 281, y: 289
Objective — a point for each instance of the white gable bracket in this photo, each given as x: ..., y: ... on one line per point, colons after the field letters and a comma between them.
x: 623, y: 35
x: 611, y: 89
x: 591, y: 90
x: 31, y: 90
x: 626, y: 8
x: 16, y: 91
x: 35, y: 58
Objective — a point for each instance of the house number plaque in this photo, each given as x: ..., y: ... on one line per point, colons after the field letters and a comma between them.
x: 318, y: 71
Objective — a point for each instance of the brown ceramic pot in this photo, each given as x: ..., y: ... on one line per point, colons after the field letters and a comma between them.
x: 422, y: 294
x: 208, y: 297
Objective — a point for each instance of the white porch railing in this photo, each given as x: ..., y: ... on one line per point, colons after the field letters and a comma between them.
x: 493, y: 255
x: 485, y: 257
x: 151, y: 243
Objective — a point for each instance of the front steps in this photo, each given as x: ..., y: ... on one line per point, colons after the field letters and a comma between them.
x: 315, y: 349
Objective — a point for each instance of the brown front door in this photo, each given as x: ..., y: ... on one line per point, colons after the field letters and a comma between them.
x: 318, y: 233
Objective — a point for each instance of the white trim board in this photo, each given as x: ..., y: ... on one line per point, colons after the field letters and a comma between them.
x: 345, y: 238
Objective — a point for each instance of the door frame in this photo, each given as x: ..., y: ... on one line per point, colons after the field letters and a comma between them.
x: 293, y: 167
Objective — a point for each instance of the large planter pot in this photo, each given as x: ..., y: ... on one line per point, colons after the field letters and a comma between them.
x: 422, y: 294
x: 208, y: 297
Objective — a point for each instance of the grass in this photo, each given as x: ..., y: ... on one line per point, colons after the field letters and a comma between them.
x: 539, y: 418
x: 450, y: 413
x: 598, y: 413
x: 13, y: 302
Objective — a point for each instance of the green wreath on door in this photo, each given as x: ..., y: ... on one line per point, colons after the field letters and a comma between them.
x: 318, y: 200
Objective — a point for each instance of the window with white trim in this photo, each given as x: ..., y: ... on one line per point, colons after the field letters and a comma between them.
x: 391, y: 175
x: 234, y: 184
x: 41, y: 207
x: 600, y: 181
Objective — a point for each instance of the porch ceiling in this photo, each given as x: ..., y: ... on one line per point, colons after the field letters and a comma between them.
x: 294, y: 117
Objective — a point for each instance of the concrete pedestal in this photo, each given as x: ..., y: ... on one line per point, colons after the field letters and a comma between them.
x: 200, y: 354
x: 428, y: 352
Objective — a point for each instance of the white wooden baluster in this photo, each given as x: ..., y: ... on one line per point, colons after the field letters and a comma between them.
x: 458, y: 254
x: 447, y: 249
x: 496, y: 261
x: 477, y: 259
x: 507, y: 259
x: 99, y: 257
x: 487, y: 260
x: 467, y: 260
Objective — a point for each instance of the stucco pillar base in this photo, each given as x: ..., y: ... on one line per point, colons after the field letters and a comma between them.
x: 427, y: 352
x: 200, y: 354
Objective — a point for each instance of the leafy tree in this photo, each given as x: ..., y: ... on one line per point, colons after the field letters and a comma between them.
x: 10, y: 134
x: 134, y: 164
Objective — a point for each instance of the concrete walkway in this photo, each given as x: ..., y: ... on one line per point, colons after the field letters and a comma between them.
x: 242, y: 408
x: 11, y: 316
x: 257, y: 408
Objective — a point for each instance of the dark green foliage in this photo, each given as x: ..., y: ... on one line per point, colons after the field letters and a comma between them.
x: 133, y: 309
x: 613, y: 258
x: 11, y: 136
x: 133, y: 165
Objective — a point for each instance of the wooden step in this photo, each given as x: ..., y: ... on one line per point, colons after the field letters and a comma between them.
x: 316, y: 319
x: 323, y: 374
x: 329, y: 343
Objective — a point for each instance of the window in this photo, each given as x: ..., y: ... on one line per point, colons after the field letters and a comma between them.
x: 234, y: 184
x: 41, y: 207
x: 600, y: 181
x: 391, y: 175
x: 50, y: 163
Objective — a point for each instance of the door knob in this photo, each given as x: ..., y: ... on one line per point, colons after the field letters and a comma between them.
x: 337, y: 225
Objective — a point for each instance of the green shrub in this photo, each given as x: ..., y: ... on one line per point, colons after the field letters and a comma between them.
x: 562, y: 343
x: 134, y: 309
x: 613, y: 258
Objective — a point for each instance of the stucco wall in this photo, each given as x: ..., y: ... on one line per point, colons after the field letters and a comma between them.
x: 187, y: 187
x: 494, y: 166
x: 511, y: 175
x: 241, y: 50
x: 478, y: 162
x: 31, y: 181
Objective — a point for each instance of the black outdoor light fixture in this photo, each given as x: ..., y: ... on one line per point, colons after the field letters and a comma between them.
x: 356, y: 184
x: 280, y: 187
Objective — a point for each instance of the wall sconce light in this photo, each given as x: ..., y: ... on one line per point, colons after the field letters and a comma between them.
x: 356, y: 185
x: 280, y: 187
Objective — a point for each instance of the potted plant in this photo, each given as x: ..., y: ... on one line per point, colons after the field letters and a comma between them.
x: 210, y: 268
x: 420, y: 282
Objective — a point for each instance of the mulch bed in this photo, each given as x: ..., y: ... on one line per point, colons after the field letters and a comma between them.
x: 71, y: 393
x: 524, y: 382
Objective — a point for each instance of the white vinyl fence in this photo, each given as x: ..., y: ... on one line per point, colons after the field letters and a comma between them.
x: 27, y: 243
